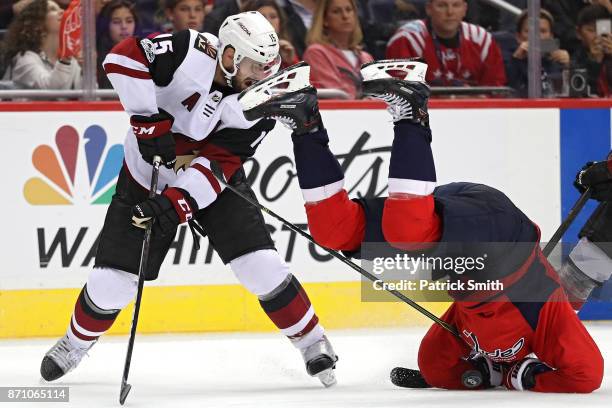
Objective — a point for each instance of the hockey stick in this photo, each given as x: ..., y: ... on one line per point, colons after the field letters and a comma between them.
x: 144, y: 256
x: 571, y: 216
x: 344, y: 259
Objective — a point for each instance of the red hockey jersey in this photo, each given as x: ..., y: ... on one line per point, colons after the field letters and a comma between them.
x: 477, y: 61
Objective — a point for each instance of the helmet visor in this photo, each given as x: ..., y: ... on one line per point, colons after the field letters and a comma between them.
x: 258, y: 71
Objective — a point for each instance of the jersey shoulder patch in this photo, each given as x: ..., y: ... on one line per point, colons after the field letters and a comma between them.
x: 148, y: 48
x: 203, y: 44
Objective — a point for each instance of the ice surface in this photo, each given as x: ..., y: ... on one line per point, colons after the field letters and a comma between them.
x: 264, y: 370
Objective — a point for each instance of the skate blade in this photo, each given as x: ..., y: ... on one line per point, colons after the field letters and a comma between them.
x: 415, y: 70
x: 327, y: 377
x: 291, y: 79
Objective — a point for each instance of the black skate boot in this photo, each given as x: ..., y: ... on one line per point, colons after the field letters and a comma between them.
x: 406, y: 98
x: 320, y: 360
x: 61, y: 358
x: 287, y: 97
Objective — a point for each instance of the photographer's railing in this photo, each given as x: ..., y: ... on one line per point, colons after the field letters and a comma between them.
x: 501, y: 91
x: 7, y: 92
x: 50, y: 95
x: 38, y: 94
x: 505, y: 6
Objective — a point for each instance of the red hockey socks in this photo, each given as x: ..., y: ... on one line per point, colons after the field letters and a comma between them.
x: 290, y: 310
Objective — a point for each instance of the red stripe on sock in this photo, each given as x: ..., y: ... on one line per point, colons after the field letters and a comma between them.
x: 89, y: 323
x: 292, y: 313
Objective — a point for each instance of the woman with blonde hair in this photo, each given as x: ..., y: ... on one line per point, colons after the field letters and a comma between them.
x: 334, y: 47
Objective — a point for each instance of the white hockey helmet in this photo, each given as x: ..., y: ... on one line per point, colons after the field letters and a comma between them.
x: 255, y: 44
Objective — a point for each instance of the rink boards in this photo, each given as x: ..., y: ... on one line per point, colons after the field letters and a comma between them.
x: 64, y: 159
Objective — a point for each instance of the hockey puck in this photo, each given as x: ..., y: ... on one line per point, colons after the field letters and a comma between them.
x: 472, y: 379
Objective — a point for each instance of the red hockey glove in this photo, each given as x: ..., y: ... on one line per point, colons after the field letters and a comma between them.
x: 155, y: 138
x: 521, y: 375
x: 173, y: 207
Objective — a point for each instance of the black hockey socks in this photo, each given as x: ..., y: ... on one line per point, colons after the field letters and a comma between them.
x: 316, y: 165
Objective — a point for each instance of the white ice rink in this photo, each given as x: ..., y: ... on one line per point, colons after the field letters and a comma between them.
x: 264, y: 370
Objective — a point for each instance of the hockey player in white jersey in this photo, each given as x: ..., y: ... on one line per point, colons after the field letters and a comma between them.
x: 180, y: 91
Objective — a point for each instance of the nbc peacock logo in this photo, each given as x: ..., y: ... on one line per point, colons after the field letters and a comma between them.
x: 65, y: 178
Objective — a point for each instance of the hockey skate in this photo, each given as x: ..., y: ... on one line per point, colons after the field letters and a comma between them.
x: 287, y: 97
x: 61, y: 358
x: 320, y: 360
x: 406, y: 98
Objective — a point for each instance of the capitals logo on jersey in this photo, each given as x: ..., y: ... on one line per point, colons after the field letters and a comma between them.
x: 497, y: 355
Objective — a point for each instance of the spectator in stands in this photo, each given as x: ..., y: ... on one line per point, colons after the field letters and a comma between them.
x: 146, y: 11
x: 595, y: 52
x: 31, y: 46
x: 566, y: 13
x: 220, y: 11
x: 276, y: 16
x: 553, y: 62
x: 8, y: 10
x: 100, y: 4
x: 184, y: 14
x: 381, y: 18
x: 458, y: 53
x: 300, y: 16
x: 334, y: 52
x: 117, y: 21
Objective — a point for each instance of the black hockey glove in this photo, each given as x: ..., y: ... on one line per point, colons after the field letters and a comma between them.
x: 598, y: 228
x: 486, y: 373
x: 521, y: 375
x: 598, y: 176
x: 173, y: 207
x: 155, y: 138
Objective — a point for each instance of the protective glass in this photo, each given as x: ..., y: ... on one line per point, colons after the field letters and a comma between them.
x: 256, y: 70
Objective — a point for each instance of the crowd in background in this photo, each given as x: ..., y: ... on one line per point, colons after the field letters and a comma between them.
x: 465, y: 43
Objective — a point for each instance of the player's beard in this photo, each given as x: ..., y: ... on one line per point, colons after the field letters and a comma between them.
x: 241, y: 85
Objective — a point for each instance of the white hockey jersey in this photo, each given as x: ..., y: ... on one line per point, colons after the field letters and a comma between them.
x: 175, y: 72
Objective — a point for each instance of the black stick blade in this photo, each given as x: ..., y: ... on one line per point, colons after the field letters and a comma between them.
x: 408, y: 378
x: 125, y: 390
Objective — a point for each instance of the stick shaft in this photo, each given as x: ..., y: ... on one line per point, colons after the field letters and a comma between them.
x: 344, y: 259
x: 144, y: 256
x: 571, y: 216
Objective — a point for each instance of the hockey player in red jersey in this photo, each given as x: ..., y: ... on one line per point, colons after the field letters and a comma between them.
x: 525, y: 336
x: 180, y: 91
